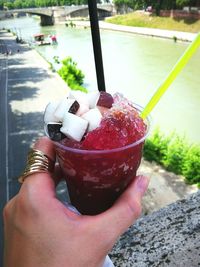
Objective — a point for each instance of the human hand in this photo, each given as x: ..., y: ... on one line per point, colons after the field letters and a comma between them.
x: 41, y: 231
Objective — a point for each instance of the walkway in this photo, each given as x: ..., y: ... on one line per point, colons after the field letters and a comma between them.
x: 27, y: 85
x: 181, y: 36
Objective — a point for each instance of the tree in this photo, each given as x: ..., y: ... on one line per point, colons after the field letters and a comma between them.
x: 1, y: 4
x: 182, y: 3
x: 158, y: 7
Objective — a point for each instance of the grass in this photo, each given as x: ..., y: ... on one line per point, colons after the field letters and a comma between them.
x: 151, y: 21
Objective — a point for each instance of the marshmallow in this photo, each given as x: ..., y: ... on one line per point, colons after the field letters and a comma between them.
x: 79, y: 96
x: 49, y: 112
x: 93, y: 116
x: 82, y: 109
x: 73, y: 126
x: 63, y: 107
x: 93, y: 98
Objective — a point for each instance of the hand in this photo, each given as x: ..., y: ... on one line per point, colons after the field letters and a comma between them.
x: 41, y: 231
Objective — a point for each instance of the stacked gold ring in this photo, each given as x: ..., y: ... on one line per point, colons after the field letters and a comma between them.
x: 37, y: 161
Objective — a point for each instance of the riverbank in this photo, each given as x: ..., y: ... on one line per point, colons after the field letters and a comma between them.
x: 174, y: 35
x: 173, y: 20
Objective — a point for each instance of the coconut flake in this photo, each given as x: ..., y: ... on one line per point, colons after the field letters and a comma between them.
x: 82, y: 109
x: 93, y: 98
x: 63, y: 107
x: 93, y: 116
x: 74, y: 127
x: 79, y: 96
x: 49, y: 112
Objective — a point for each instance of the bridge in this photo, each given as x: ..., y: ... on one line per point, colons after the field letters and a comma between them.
x: 50, y: 15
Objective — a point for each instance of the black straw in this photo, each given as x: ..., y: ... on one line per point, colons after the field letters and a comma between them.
x: 92, y: 5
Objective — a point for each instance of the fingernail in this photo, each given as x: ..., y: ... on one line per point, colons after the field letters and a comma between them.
x: 142, y: 184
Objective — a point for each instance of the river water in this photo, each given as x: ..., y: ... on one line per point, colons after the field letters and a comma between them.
x: 134, y: 65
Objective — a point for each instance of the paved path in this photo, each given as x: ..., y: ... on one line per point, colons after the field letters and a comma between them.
x: 182, y: 36
x: 3, y: 139
x: 27, y: 85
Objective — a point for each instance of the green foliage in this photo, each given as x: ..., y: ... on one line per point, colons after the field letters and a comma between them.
x: 156, y: 4
x: 155, y: 147
x: 134, y: 4
x: 175, y: 154
x: 72, y: 75
x: 56, y: 59
x: 191, y: 165
x: 39, y: 3
x: 181, y: 3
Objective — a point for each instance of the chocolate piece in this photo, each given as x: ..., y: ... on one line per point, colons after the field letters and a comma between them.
x: 54, y: 131
x: 74, y: 107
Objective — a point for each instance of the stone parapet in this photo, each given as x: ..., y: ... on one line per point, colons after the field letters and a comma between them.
x: 181, y: 14
x: 168, y: 237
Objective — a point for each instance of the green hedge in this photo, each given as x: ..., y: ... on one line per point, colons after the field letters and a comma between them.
x: 175, y: 154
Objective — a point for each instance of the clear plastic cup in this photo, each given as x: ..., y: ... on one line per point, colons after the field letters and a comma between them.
x: 96, y: 178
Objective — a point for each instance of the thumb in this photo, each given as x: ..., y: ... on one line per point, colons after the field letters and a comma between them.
x: 125, y: 211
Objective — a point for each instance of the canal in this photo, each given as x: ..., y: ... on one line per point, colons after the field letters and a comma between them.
x: 134, y: 65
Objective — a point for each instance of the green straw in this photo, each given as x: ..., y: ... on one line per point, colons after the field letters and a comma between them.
x: 172, y: 76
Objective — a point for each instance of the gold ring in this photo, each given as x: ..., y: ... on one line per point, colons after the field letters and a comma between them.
x: 37, y: 161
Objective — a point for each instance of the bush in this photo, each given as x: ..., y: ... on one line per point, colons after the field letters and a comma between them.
x: 72, y: 75
x: 155, y: 148
x: 191, y: 166
x: 175, y: 154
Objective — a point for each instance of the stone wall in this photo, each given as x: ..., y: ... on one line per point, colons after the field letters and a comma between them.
x: 180, y: 14
x: 169, y: 237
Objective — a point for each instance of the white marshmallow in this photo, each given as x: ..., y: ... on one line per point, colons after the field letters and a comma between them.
x: 73, y: 126
x: 93, y: 98
x: 82, y: 109
x: 49, y: 112
x: 63, y: 107
x: 93, y: 116
x: 80, y: 97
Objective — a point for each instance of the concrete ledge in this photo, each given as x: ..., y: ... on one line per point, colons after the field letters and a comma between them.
x: 168, y: 237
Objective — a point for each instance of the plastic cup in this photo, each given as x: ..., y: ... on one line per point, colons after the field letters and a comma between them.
x: 96, y: 178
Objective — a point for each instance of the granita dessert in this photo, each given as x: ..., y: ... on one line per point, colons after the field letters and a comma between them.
x: 98, y: 140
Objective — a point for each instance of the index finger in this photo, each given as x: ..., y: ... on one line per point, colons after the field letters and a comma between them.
x: 42, y: 180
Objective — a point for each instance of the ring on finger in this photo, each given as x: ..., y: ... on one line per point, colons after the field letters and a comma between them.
x: 37, y: 162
